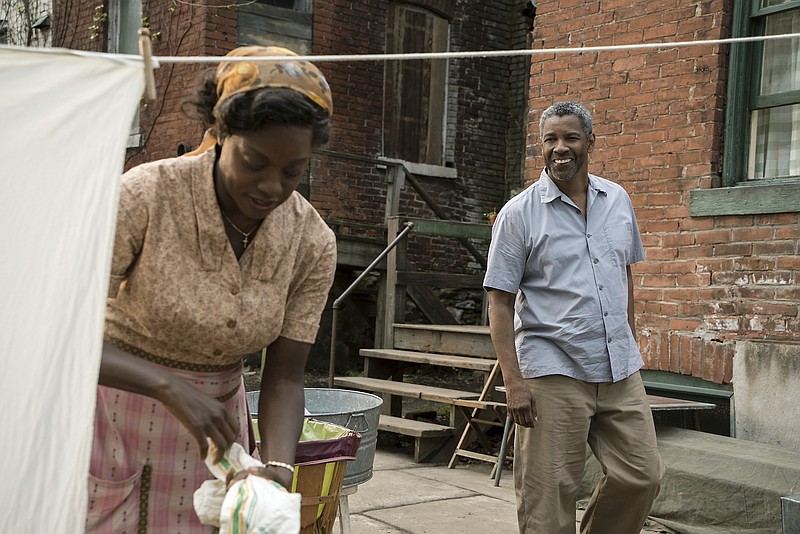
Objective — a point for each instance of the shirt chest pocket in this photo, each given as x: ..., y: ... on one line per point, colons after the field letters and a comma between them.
x: 554, y: 252
x: 619, y: 239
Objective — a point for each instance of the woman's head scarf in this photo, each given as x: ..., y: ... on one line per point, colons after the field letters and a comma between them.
x: 234, y: 78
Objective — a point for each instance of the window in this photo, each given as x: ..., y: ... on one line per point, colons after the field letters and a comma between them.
x: 286, y: 23
x: 761, y: 165
x: 303, y: 6
x: 124, y: 21
x: 414, y: 116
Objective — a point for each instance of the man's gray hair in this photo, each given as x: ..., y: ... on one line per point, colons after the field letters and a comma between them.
x: 560, y: 109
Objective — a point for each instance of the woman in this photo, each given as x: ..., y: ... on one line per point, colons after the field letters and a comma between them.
x: 215, y: 256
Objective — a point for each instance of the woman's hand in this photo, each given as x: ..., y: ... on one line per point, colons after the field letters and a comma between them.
x: 203, y: 416
x: 268, y: 472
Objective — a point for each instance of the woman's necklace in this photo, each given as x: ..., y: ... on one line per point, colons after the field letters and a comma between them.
x: 246, y: 235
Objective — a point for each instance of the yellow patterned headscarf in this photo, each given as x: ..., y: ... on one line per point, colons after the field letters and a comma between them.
x: 301, y: 76
x: 234, y: 78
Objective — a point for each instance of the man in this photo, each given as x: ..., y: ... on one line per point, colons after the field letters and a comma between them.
x: 561, y: 315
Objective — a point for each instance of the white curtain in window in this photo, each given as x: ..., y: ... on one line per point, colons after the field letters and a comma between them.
x: 775, y: 139
x: 64, y: 120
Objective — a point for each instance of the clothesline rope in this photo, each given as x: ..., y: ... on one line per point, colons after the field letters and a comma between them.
x: 479, y: 53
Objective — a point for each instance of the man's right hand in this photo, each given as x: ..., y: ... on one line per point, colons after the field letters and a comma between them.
x: 521, y: 404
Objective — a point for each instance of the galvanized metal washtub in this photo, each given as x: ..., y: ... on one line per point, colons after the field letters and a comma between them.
x: 355, y: 410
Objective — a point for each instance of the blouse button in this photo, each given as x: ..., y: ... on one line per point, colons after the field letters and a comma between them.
x: 231, y: 324
x: 217, y: 352
x: 234, y: 291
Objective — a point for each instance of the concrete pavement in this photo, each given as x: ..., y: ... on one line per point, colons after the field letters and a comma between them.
x: 408, y: 498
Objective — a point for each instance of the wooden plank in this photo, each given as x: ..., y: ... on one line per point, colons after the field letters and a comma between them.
x: 279, y: 13
x: 766, y: 196
x: 465, y: 340
x: 440, y: 280
x: 430, y: 305
x: 357, y: 253
x: 476, y: 455
x: 480, y: 404
x: 267, y: 24
x: 410, y: 427
x: 404, y: 389
x: 451, y: 228
x: 437, y: 92
x: 666, y: 403
x: 424, y: 169
x: 446, y: 396
x: 247, y: 36
x: 428, y: 358
x: 456, y: 329
x: 390, y: 282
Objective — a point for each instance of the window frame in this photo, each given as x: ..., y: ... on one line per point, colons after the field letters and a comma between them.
x: 434, y: 129
x: 738, y: 195
x: 115, y: 29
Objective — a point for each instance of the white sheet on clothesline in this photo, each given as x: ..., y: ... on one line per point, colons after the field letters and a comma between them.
x: 64, y: 122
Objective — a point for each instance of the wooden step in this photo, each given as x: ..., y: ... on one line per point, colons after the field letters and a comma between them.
x: 464, y: 340
x: 404, y: 389
x: 410, y: 427
x: 429, y: 358
x: 476, y: 455
x: 432, y: 442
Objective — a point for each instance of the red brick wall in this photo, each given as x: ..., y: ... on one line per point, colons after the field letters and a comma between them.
x: 707, y: 281
x: 346, y: 189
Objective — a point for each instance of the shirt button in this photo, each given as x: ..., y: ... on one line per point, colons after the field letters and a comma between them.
x: 609, y: 340
x: 596, y: 260
x: 600, y: 288
x: 234, y: 291
x: 588, y: 235
x: 217, y: 352
x: 605, y: 314
x: 231, y: 324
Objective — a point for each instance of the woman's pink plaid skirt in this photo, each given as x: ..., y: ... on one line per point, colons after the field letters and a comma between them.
x: 145, y: 466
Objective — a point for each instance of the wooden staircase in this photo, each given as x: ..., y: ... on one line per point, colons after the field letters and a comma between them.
x: 448, y: 346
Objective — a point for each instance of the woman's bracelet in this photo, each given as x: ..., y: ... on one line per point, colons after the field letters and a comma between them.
x: 273, y: 463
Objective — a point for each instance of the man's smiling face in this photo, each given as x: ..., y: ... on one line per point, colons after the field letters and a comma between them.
x: 566, y: 148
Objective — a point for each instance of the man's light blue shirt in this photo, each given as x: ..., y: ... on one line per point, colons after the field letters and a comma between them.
x: 569, y: 275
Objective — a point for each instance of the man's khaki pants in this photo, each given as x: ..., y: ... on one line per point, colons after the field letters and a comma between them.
x: 615, y: 420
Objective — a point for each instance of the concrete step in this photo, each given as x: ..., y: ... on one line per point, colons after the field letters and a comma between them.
x: 429, y: 358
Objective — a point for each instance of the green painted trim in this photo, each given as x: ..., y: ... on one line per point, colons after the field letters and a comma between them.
x: 737, y: 116
x: 451, y: 228
x: 760, y: 12
x: 780, y: 99
x: 666, y: 381
x: 764, y: 196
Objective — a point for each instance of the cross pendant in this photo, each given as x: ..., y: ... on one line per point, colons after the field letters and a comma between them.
x: 245, y: 242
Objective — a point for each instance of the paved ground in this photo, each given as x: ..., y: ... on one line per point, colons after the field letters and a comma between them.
x: 407, y: 498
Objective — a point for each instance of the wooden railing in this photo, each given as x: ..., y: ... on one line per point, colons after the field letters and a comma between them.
x: 399, y: 280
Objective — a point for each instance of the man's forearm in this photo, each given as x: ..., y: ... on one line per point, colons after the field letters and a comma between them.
x: 501, y: 327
